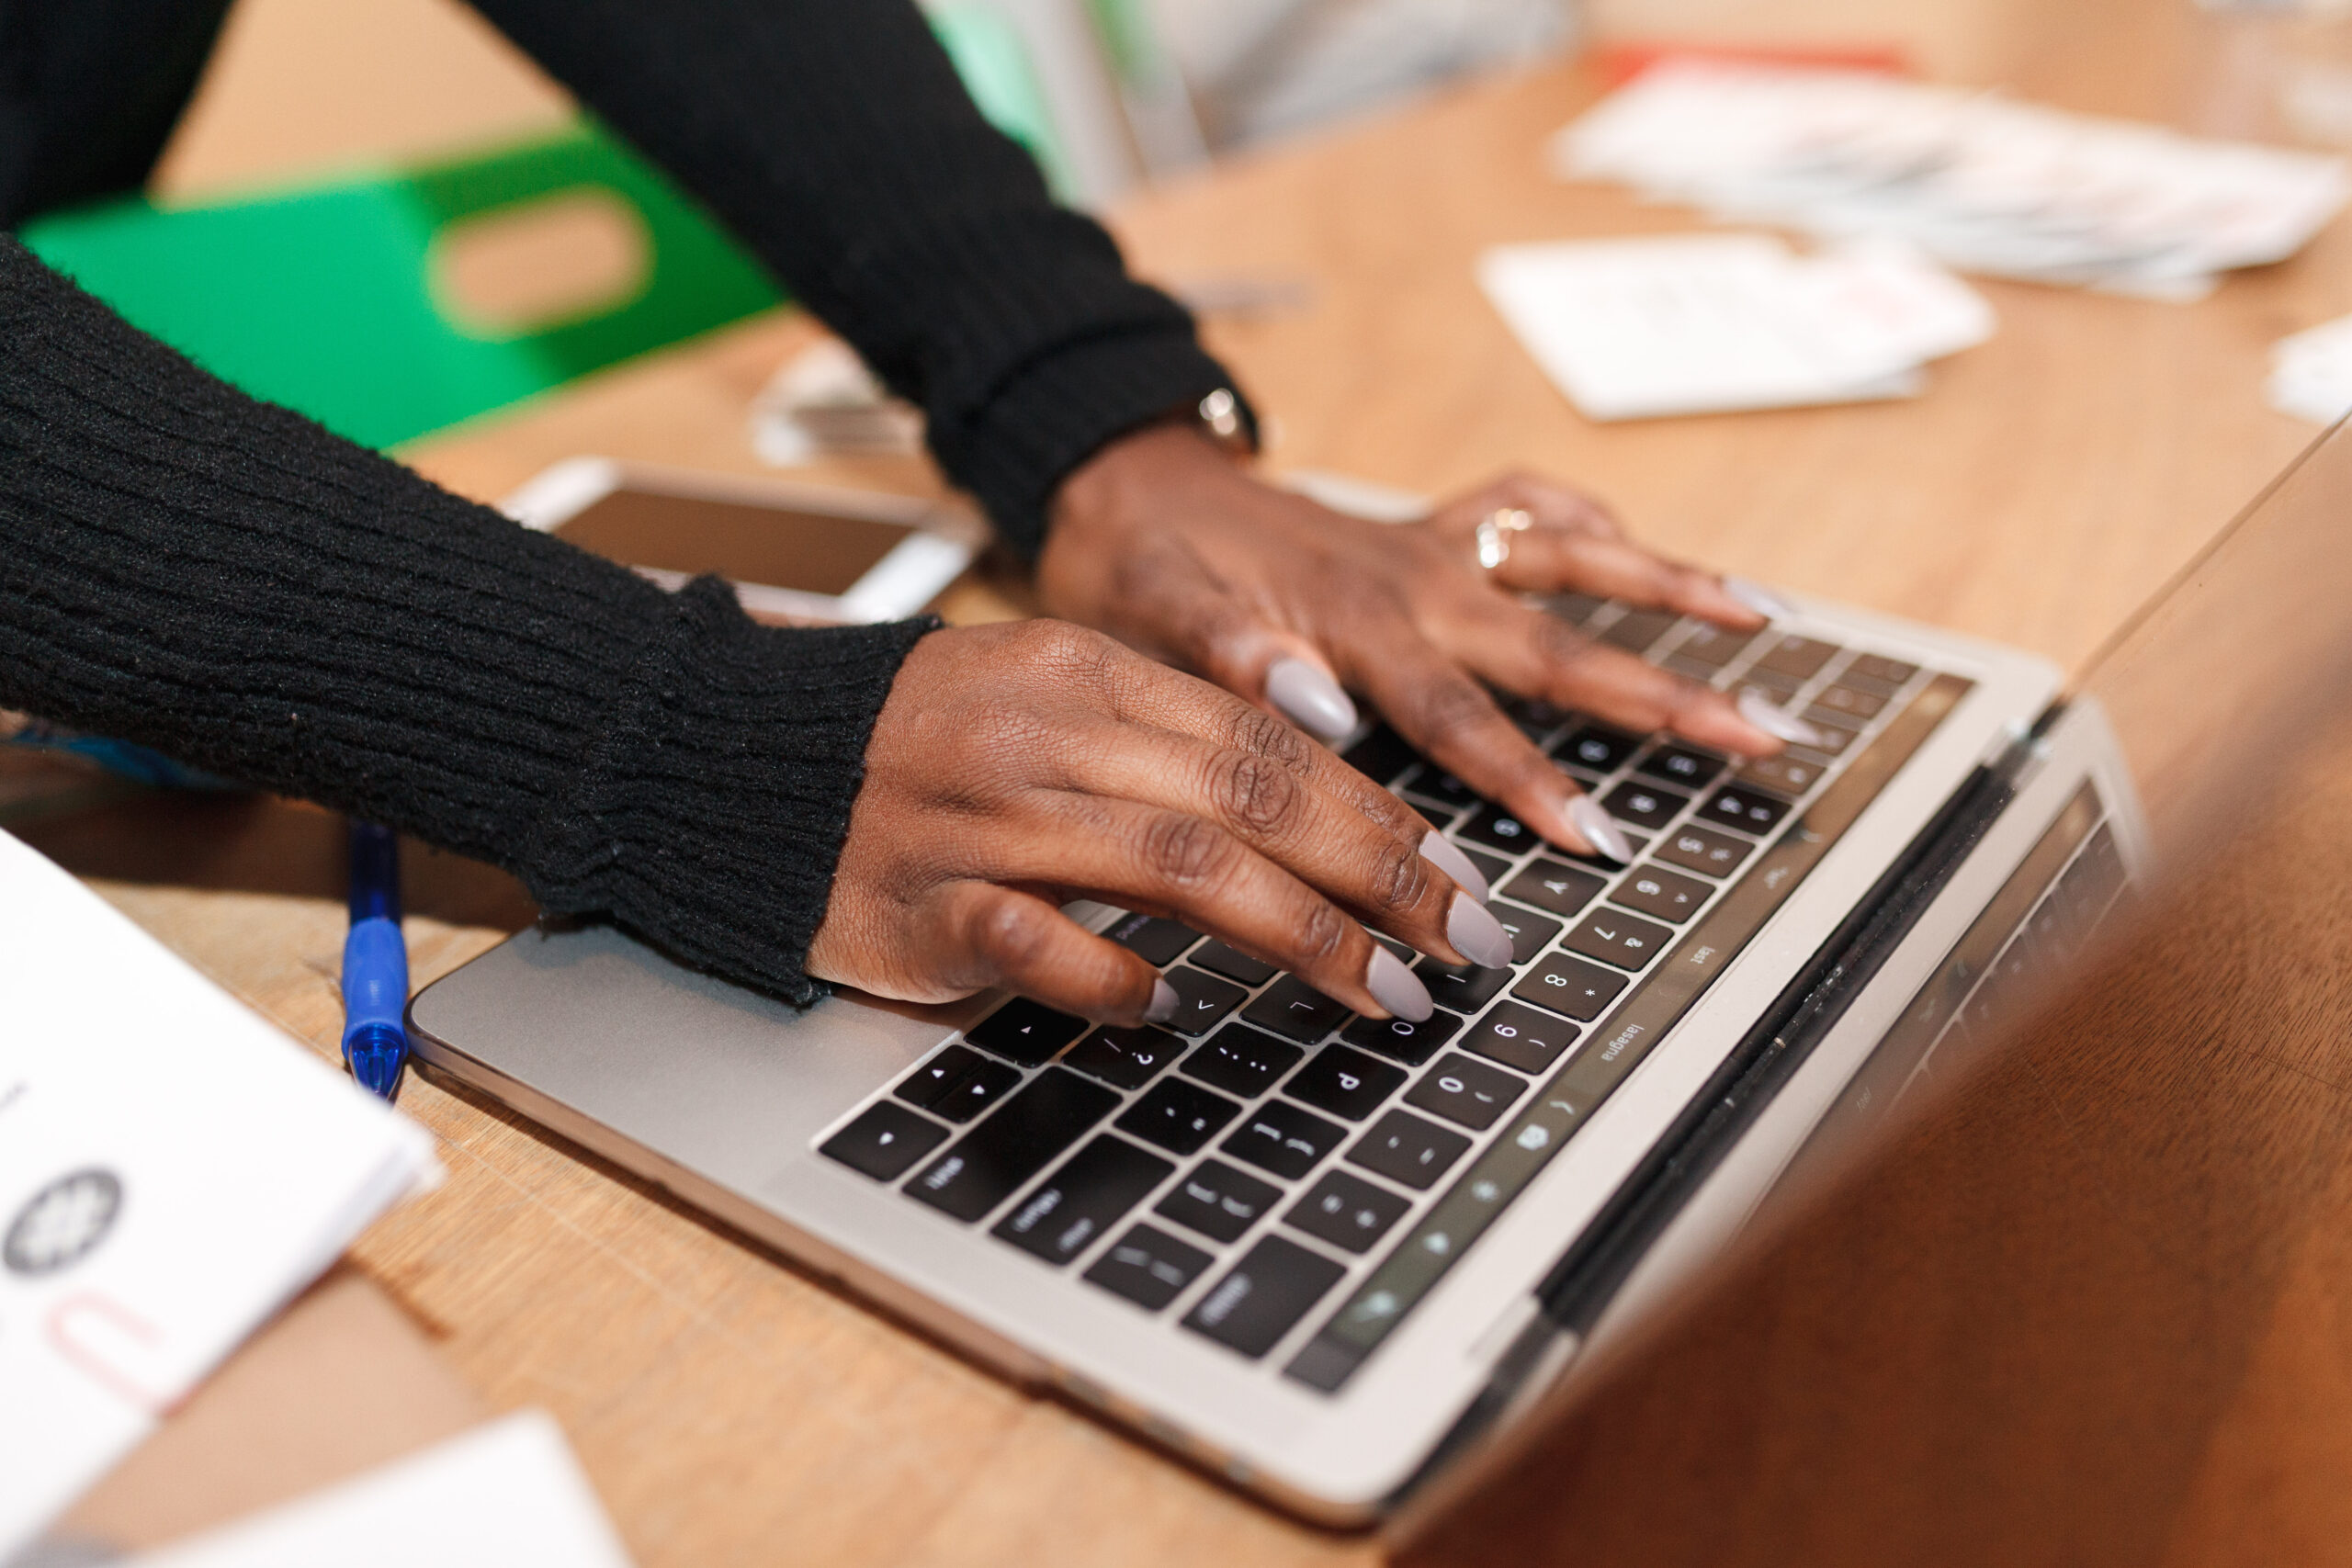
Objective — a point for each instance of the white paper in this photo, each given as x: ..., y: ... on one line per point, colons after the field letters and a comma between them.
x: 501, y: 1496
x: 2311, y: 373
x: 172, y: 1169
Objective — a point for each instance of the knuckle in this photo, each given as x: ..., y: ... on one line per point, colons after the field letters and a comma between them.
x: 1012, y: 933
x: 1452, y: 710
x: 1322, y: 934
x: 1256, y: 793
x: 1184, y: 852
x: 1400, y: 876
x: 1260, y: 734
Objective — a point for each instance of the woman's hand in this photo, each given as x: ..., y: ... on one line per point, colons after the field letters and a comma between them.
x: 1016, y: 767
x: 1164, y: 542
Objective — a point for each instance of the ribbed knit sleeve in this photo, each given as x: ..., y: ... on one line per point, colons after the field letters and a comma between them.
x: 835, y: 139
x: 223, y: 580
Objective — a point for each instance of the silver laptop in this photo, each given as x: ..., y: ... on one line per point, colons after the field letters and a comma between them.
x: 1327, y: 1258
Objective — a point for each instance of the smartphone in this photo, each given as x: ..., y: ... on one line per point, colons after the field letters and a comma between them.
x: 796, y: 553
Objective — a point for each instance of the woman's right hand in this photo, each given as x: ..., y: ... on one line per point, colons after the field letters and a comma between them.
x: 1016, y: 767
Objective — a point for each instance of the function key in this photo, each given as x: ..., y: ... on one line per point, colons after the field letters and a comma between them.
x: 1521, y: 1037
x: 1251, y: 1308
x: 1130, y: 1058
x: 1064, y: 1213
x: 1177, y: 1116
x: 1296, y: 1010
x: 1466, y: 1093
x: 1636, y: 631
x: 1403, y: 1147
x: 1530, y: 934
x: 944, y: 1071
x: 1621, y: 939
x: 1799, y: 658
x: 1219, y: 1201
x: 1201, y: 1001
x: 1497, y: 829
x: 1234, y: 965
x: 1570, y: 985
x: 1892, y: 673
x: 1381, y: 755
x: 1749, y: 810
x: 1555, y: 885
x: 1157, y: 942
x: 1643, y: 805
x: 1599, y: 747
x: 1242, y: 1061
x: 1347, y: 1211
x: 982, y: 1168
x: 1149, y: 1267
x: 1681, y: 764
x: 1702, y: 849
x: 1668, y: 895
x: 986, y: 1083
x: 883, y: 1140
x: 1280, y: 1137
x: 1788, y: 774
x: 1025, y: 1031
x: 1434, y: 784
x: 1402, y: 1039
x: 1711, y: 646
x: 1346, y: 1083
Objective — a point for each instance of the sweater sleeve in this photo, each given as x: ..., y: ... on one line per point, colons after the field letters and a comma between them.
x: 226, y: 582
x: 835, y: 139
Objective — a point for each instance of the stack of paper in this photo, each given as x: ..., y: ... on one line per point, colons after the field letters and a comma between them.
x: 1634, y: 329
x: 2311, y: 373
x: 1987, y: 184
x: 172, y: 1169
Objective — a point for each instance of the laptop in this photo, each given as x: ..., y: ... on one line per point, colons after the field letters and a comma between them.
x: 1333, y: 1259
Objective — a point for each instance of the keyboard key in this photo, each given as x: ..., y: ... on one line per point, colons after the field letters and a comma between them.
x: 1381, y: 755
x: 1346, y: 1083
x: 1201, y: 1000
x: 1530, y: 934
x: 1149, y: 1267
x: 1877, y: 667
x: 1681, y: 764
x: 1489, y: 868
x: 1252, y: 1307
x: 1407, y: 1042
x: 1405, y: 1148
x: 883, y: 1141
x: 1536, y: 717
x: 1636, y: 630
x: 1701, y: 849
x: 1713, y: 645
x: 1469, y: 1094
x: 1643, y: 805
x: 1749, y: 810
x: 1280, y: 1137
x: 1296, y: 1010
x: 1177, y: 1116
x: 1853, y: 706
x: 1347, y: 1211
x: 1619, y: 939
x: 1157, y: 942
x: 1063, y: 1214
x: 1570, y: 985
x: 944, y: 1071
x: 1830, y: 740
x: 1656, y: 891
x: 1521, y: 1037
x: 977, y: 1090
x: 1242, y: 1061
x: 1233, y: 963
x: 982, y: 1168
x: 1599, y: 747
x: 1786, y: 773
x: 1025, y: 1031
x: 1130, y: 1058
x: 1461, y: 988
x: 1774, y: 687
x: 1555, y: 885
x: 1219, y: 1201
x: 1430, y: 783
x: 1574, y: 608
x: 1799, y: 658
x: 1499, y: 830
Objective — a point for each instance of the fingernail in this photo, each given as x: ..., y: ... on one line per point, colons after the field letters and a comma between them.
x: 1599, y: 829
x: 1163, y: 1003
x: 1310, y: 699
x: 1442, y: 853
x: 1476, y: 934
x: 1758, y: 598
x: 1758, y: 710
x: 1396, y: 987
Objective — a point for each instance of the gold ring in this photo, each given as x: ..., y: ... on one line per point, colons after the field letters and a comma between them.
x: 1495, y: 530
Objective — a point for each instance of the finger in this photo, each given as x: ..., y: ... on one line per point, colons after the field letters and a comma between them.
x: 1549, y: 504
x: 1543, y: 561
x: 985, y: 935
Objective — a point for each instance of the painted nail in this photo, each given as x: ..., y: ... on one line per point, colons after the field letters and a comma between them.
x: 1396, y: 987
x: 1310, y: 699
x: 1758, y: 710
x: 1442, y: 853
x: 1599, y: 829
x: 1163, y: 1003
x: 1476, y: 934
x: 1758, y: 598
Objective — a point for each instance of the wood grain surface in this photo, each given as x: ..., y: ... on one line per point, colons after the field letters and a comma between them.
x: 2097, y: 1311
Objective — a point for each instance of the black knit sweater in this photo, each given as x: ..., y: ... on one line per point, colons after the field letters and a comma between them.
x: 223, y: 580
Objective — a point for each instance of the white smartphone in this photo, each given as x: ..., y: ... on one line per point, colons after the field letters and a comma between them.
x: 795, y: 552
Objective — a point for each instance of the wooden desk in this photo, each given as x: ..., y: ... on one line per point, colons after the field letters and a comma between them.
x: 731, y: 1410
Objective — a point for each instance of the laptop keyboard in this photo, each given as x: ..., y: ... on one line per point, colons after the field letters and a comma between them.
x: 1278, y: 1175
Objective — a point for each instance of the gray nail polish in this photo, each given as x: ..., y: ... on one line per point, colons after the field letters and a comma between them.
x: 1760, y: 599
x: 1476, y: 934
x: 1163, y: 1003
x: 1758, y: 710
x: 1444, y: 854
x: 1599, y: 829
x: 1310, y: 699
x: 1396, y: 987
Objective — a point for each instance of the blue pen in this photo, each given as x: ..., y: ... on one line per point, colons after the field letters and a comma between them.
x: 375, y: 964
